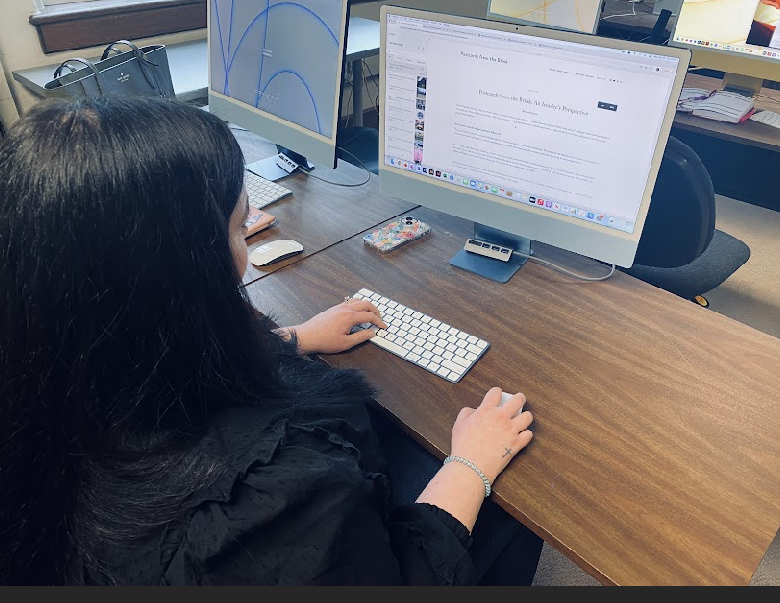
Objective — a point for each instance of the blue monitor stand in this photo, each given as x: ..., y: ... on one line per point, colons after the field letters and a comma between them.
x: 490, y: 268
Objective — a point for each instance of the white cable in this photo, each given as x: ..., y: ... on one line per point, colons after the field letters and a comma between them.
x: 591, y: 279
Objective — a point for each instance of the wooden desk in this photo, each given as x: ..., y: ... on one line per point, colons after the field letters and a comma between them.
x: 318, y: 214
x: 656, y: 458
x: 749, y: 132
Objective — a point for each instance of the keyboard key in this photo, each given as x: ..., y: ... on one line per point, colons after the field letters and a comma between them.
x: 389, y: 346
x: 471, y: 357
x: 366, y: 292
x: 444, y: 372
x: 455, y: 368
x: 482, y: 344
x: 461, y: 361
x: 472, y: 339
x: 412, y: 357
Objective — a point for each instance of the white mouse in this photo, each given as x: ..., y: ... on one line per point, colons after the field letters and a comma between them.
x: 273, y: 251
x: 505, y: 398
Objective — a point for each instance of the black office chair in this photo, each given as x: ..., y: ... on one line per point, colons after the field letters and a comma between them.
x: 362, y: 143
x: 680, y: 250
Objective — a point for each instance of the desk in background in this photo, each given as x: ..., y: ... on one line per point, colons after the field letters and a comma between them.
x: 630, y: 20
x: 656, y: 458
x: 748, y: 133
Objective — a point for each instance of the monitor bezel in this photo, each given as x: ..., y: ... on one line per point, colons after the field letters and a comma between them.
x: 585, y: 238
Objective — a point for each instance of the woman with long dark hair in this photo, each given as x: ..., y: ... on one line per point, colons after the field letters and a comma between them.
x: 154, y: 428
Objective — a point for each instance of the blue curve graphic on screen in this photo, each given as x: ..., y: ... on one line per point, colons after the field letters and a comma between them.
x: 305, y: 85
x: 283, y: 54
x: 268, y: 11
x: 219, y: 28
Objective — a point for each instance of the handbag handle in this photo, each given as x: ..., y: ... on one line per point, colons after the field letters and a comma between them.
x: 137, y: 51
x: 90, y: 64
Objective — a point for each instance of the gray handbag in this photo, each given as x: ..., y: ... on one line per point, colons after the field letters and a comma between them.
x: 135, y: 72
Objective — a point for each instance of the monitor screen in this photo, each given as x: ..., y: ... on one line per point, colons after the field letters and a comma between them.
x: 575, y: 15
x: 545, y: 125
x: 743, y: 27
x: 282, y: 61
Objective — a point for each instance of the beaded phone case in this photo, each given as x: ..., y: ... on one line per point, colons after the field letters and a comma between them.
x: 396, y: 233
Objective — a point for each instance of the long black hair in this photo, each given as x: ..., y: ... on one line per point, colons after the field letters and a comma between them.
x: 123, y: 323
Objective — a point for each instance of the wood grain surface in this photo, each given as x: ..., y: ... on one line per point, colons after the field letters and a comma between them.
x: 656, y: 458
x: 318, y: 215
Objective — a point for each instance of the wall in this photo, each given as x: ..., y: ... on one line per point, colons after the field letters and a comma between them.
x: 8, y: 112
x: 21, y: 49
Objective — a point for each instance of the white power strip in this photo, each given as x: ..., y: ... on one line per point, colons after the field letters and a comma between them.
x: 491, y: 250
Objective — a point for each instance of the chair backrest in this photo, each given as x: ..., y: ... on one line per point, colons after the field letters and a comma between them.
x: 681, y: 219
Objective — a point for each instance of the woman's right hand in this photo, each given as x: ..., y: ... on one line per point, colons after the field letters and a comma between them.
x: 490, y: 436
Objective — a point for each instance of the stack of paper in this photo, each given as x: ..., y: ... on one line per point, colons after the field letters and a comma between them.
x: 719, y: 105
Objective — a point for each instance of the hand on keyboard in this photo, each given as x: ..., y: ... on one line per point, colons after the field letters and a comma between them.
x: 491, y: 435
x: 329, y: 332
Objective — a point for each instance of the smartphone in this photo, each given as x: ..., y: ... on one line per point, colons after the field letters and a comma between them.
x: 396, y: 234
x: 257, y: 221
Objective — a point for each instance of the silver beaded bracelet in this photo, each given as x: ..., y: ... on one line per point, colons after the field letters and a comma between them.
x: 471, y: 465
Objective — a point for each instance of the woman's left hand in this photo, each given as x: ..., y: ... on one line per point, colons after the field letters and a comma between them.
x: 329, y: 332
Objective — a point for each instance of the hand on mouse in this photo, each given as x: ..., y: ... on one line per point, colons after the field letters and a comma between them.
x: 329, y: 332
x: 489, y: 436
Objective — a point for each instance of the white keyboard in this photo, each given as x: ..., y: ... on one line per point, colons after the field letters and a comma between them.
x: 437, y: 347
x: 263, y: 192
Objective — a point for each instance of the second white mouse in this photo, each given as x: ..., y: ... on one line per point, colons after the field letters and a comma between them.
x: 274, y: 251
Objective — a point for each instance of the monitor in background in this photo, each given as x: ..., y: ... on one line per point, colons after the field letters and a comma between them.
x: 738, y: 37
x: 276, y: 69
x: 574, y: 15
x: 542, y: 134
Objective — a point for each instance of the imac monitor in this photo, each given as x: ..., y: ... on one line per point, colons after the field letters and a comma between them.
x: 574, y: 15
x: 544, y: 134
x: 276, y: 69
x: 738, y: 37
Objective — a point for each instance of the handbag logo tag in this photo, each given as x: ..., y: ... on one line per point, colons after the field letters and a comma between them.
x: 123, y: 77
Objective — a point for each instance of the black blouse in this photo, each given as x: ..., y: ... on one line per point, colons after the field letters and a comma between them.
x: 304, y: 502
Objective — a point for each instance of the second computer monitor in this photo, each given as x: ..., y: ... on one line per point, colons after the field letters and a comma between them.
x: 549, y: 135
x: 734, y: 36
x: 574, y: 15
x: 276, y: 69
